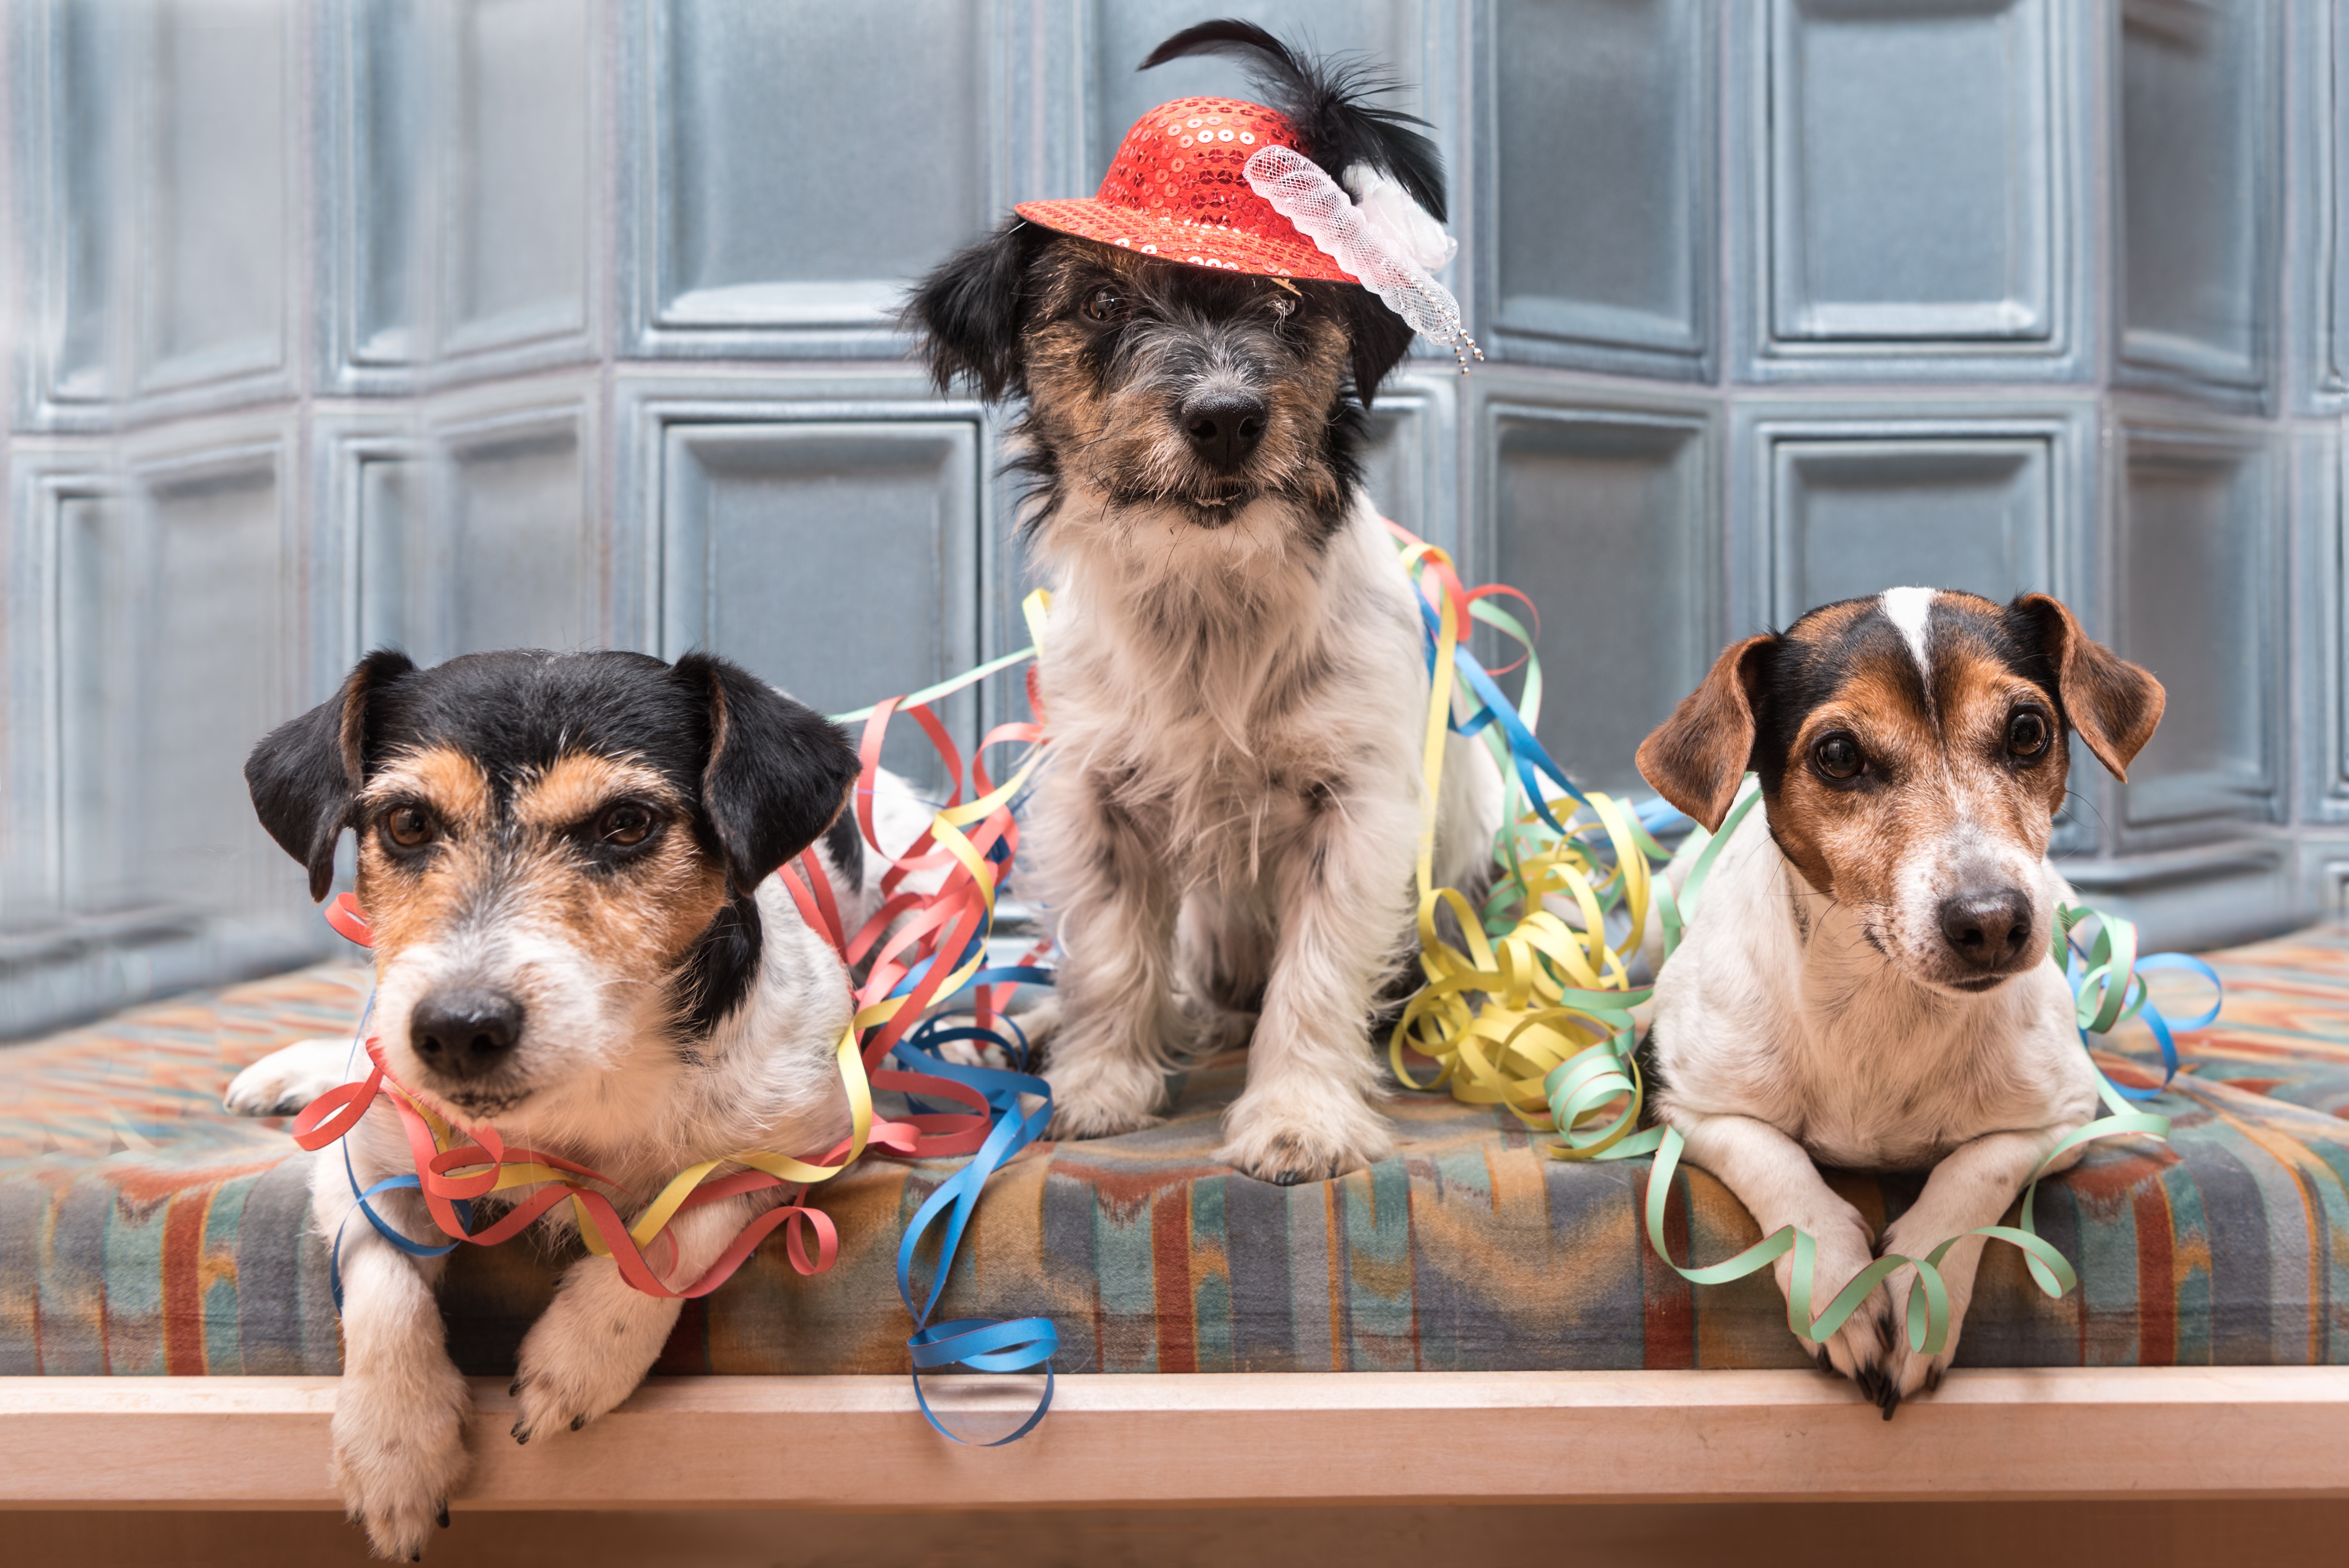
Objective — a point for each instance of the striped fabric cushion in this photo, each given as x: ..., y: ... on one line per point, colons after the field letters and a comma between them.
x: 144, y: 1231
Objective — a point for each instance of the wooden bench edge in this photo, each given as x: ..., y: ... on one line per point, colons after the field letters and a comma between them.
x: 1231, y: 1439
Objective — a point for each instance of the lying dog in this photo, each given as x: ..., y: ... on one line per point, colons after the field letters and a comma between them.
x: 1234, y: 676
x: 567, y: 861
x: 1866, y: 981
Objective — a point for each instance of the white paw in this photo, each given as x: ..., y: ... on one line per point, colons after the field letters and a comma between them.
x: 1859, y: 1349
x: 285, y: 1081
x: 975, y: 1053
x: 398, y: 1454
x: 587, y: 1351
x: 1102, y: 1090
x: 1295, y: 1129
x: 1914, y: 1234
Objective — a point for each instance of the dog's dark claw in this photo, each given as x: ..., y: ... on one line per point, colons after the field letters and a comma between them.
x: 513, y: 1389
x: 1887, y: 1396
x: 521, y: 1433
x: 1933, y: 1380
x: 1825, y: 1362
x: 577, y: 1422
x: 443, y: 1514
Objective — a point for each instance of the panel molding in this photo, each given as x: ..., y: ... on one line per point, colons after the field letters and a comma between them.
x: 1589, y: 334
x: 2160, y: 359
x: 2160, y: 812
x: 1030, y: 96
x: 1783, y: 334
x: 1679, y: 439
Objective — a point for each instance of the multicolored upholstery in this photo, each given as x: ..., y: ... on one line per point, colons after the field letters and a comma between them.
x: 143, y: 1230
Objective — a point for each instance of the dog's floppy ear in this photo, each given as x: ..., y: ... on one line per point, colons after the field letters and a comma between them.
x: 1698, y: 757
x: 967, y: 313
x: 2113, y: 705
x: 1379, y: 337
x: 304, y: 774
x: 778, y: 772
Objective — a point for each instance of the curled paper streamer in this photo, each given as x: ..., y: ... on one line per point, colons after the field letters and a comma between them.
x: 1378, y: 255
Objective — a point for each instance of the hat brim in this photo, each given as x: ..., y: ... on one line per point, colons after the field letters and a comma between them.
x: 1220, y: 247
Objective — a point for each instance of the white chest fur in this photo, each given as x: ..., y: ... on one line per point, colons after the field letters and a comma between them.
x: 1777, y: 1008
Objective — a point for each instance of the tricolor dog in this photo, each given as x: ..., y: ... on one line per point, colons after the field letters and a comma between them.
x: 1234, y: 676
x: 1867, y: 982
x: 566, y: 862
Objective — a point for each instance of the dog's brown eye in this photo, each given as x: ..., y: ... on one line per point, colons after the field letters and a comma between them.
x: 625, y: 824
x: 1839, y: 756
x: 1105, y: 304
x: 2026, y: 733
x: 408, y: 826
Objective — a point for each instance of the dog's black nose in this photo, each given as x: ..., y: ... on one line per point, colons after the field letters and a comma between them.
x: 1987, y: 930
x: 464, y: 1034
x: 1224, y: 427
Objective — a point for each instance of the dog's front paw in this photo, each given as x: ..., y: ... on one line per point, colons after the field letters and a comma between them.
x: 1916, y: 1234
x: 587, y: 1351
x: 285, y: 1081
x: 400, y: 1454
x: 1102, y: 1093
x: 1288, y: 1135
x: 1861, y: 1349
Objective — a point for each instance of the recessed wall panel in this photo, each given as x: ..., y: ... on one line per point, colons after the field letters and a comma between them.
x: 395, y: 564
x: 518, y: 170
x: 1855, y: 517
x: 838, y: 561
x: 172, y: 650
x: 85, y: 224
x: 1603, y: 210
x: 393, y: 112
x: 1911, y: 170
x: 2196, y: 158
x: 517, y: 554
x: 1601, y: 520
x: 784, y: 197
x: 2201, y: 607
x: 215, y: 261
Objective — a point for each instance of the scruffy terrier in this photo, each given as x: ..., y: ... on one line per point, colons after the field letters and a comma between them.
x: 1234, y: 679
x: 568, y: 862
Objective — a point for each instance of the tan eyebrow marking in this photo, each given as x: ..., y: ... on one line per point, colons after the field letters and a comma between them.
x: 579, y: 785
x: 444, y: 778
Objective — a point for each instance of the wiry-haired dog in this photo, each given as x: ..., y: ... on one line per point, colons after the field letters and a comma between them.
x: 1234, y: 679
x: 567, y: 861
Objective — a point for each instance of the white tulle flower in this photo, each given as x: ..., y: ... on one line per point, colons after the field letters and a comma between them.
x: 1380, y: 248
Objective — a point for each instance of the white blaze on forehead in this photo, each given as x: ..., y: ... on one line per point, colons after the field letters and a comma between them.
x: 1907, y: 608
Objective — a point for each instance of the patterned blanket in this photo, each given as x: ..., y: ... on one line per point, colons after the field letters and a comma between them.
x: 143, y: 1230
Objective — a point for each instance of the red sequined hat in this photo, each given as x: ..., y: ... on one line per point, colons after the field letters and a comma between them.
x: 1175, y: 190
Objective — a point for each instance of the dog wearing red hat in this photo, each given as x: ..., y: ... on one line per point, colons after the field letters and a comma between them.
x: 1233, y: 675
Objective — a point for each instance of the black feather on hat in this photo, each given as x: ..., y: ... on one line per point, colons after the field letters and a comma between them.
x: 1325, y: 100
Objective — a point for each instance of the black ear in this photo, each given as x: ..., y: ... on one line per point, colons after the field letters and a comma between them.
x: 967, y: 314
x: 304, y: 774
x: 778, y: 772
x: 1380, y: 337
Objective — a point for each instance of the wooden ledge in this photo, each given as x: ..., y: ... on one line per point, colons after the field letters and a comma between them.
x: 1188, y: 1440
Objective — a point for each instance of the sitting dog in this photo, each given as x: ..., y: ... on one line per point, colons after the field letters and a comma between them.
x: 565, y: 861
x: 1866, y: 980
x: 1235, y: 678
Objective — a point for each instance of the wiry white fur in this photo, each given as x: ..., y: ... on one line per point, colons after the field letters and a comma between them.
x: 611, y: 1091
x: 1234, y: 804
x: 1779, y: 1050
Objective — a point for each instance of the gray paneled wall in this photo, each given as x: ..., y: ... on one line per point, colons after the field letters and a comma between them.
x: 459, y: 323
